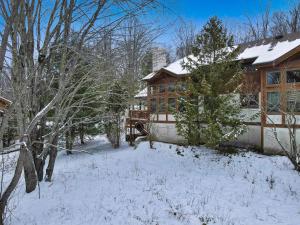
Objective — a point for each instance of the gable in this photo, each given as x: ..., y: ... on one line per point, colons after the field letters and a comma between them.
x: 163, y: 76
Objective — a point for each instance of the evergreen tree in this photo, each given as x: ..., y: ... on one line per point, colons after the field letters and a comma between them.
x: 116, y: 104
x: 212, y: 113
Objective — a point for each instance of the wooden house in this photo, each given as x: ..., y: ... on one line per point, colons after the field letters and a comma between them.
x: 4, y: 103
x: 271, y: 82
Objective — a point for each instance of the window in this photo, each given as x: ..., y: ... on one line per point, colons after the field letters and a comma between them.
x: 162, y: 105
x: 171, y: 104
x: 162, y: 88
x: 171, y: 87
x: 249, y: 100
x: 273, y: 77
x: 293, y: 101
x: 293, y: 76
x: 152, y: 90
x: 153, y: 105
x: 273, y: 101
x: 181, y: 87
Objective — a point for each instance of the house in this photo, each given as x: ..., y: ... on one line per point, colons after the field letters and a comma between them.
x: 4, y: 103
x: 271, y: 81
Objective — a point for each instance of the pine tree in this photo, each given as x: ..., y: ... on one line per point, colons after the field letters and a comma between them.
x: 215, y: 76
x: 116, y: 104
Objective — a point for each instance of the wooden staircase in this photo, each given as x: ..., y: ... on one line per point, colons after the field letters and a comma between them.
x: 135, y: 124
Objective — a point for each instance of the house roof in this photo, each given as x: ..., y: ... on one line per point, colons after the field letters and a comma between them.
x: 142, y: 94
x: 270, y: 49
x: 5, y: 100
x: 262, y: 52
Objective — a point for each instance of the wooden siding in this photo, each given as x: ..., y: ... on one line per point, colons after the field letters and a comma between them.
x: 165, y: 80
x: 3, y: 104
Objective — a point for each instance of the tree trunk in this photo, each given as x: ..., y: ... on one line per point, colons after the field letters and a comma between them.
x: 81, y: 133
x: 52, y: 158
x: 37, y: 149
x: 70, y: 137
x: 24, y: 161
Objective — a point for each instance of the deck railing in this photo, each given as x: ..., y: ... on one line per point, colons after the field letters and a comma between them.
x: 139, y: 114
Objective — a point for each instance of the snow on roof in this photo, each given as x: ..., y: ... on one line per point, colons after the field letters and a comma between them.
x: 177, y: 68
x: 5, y: 100
x: 262, y: 51
x: 142, y: 93
x: 269, y: 52
x: 149, y: 76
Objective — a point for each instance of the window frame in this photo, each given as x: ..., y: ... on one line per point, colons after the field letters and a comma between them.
x: 169, y: 87
x: 163, y: 103
x: 279, y: 102
x: 162, y: 88
x: 287, y: 102
x: 280, y: 78
x: 151, y: 101
x: 286, y: 77
x: 153, y: 89
x: 169, y: 109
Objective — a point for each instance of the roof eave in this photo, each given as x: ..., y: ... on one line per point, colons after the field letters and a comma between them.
x: 8, y: 102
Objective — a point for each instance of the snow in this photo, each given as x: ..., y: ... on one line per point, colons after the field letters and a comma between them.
x: 5, y: 100
x: 149, y: 76
x: 142, y: 93
x: 269, y: 52
x: 170, y: 185
x: 264, y: 53
x: 177, y: 67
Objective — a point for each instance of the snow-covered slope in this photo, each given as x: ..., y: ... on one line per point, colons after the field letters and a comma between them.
x: 169, y: 185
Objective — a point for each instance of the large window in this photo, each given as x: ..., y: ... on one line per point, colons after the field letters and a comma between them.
x: 153, y: 107
x: 152, y: 89
x: 293, y: 101
x: 171, y: 87
x: 162, y: 105
x: 293, y: 76
x: 273, y: 101
x: 181, y: 87
x: 273, y: 77
x: 171, y: 104
x: 162, y: 88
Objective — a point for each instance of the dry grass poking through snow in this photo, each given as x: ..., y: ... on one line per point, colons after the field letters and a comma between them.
x: 170, y: 185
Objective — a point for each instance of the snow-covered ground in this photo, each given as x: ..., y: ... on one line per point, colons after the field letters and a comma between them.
x: 169, y: 185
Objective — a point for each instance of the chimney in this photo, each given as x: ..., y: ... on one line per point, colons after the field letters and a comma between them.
x: 159, y: 58
x: 278, y: 36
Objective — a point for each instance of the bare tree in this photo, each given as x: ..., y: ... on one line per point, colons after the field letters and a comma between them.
x: 134, y: 40
x: 279, y: 24
x: 294, y: 18
x: 185, y: 37
x: 33, y: 32
x: 292, y: 148
x: 259, y: 28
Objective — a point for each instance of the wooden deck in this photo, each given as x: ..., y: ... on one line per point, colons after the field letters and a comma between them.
x: 135, y: 117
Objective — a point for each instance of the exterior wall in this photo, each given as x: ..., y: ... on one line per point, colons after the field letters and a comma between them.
x: 3, y: 105
x: 278, y: 119
x: 166, y: 132
x: 251, y: 137
x: 270, y: 143
x: 251, y: 115
x: 259, y: 132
